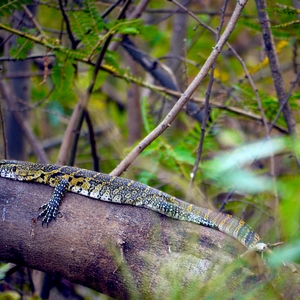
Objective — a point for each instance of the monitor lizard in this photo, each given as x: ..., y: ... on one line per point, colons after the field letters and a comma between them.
x: 115, y: 189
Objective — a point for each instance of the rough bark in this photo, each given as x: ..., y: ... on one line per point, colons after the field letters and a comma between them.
x: 128, y: 252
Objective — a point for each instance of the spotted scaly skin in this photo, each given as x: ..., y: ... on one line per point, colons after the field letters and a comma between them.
x: 114, y: 189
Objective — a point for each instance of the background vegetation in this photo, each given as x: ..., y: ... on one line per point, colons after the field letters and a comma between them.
x: 95, y: 77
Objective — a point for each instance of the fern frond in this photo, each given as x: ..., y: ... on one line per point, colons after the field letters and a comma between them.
x: 287, y: 10
x: 111, y: 58
x: 8, y: 6
x: 277, y: 33
x: 73, y: 54
x: 23, y: 46
x: 62, y: 76
x: 251, y: 25
x: 20, y: 51
x: 97, y: 21
x: 83, y: 26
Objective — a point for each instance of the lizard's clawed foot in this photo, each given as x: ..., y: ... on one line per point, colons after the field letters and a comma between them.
x: 49, y: 211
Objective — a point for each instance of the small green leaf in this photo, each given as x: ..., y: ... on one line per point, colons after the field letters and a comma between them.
x: 129, y: 31
x: 20, y: 51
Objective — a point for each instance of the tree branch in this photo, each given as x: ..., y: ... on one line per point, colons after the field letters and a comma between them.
x: 168, y: 120
x: 124, y: 251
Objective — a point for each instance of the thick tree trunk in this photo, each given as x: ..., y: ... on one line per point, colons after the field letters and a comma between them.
x: 128, y: 252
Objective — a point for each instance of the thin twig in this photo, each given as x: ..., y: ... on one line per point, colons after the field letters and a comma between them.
x: 92, y: 141
x: 6, y: 58
x: 32, y: 19
x: 293, y: 84
x: 185, y: 96
x: 195, y: 12
x: 111, y: 8
x: 206, y: 104
x: 74, y: 42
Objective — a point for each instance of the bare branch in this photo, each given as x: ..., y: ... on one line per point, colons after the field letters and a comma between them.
x: 274, y: 65
x: 206, y: 104
x: 185, y: 96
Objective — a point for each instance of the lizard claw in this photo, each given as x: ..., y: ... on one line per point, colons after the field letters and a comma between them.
x: 49, y: 211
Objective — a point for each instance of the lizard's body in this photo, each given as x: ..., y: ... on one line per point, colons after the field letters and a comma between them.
x: 120, y: 190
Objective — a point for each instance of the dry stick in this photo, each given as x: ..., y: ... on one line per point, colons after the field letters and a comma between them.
x: 110, y: 9
x: 73, y: 40
x: 206, y: 105
x: 31, y: 138
x: 32, y: 19
x: 92, y: 141
x: 5, y: 58
x: 274, y: 65
x: 196, y: 12
x: 185, y: 96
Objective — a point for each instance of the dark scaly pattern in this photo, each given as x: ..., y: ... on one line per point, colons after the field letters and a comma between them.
x: 120, y: 190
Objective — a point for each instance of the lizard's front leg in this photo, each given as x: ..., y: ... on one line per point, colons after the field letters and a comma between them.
x: 50, y: 208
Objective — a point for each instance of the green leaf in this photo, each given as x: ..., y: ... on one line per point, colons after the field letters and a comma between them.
x: 20, y: 51
x: 62, y: 76
x: 286, y: 10
x: 129, y: 31
x: 182, y: 154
